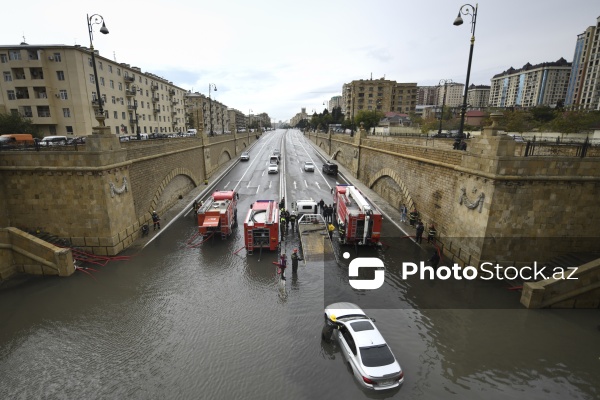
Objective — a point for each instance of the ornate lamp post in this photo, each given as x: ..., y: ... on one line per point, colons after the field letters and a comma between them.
x: 211, y: 86
x: 96, y: 19
x: 444, y: 82
x: 248, y: 125
x: 466, y: 9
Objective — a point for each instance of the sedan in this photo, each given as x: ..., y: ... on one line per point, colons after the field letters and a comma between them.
x: 309, y: 166
x: 245, y: 156
x: 273, y: 169
x: 366, y: 352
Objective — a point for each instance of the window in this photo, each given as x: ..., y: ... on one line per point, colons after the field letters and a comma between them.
x: 113, y: 100
x: 110, y: 69
x: 103, y: 99
x: 69, y: 130
x: 142, y: 103
x: 57, y: 57
x: 102, y: 81
x: 3, y: 58
x: 11, y: 95
x: 14, y: 55
x: 122, y: 101
x: 43, y: 111
x: 115, y: 115
x: 100, y: 65
x: 94, y: 96
x: 116, y: 130
x: 92, y: 80
x: 63, y: 95
x: 90, y: 62
x: 123, y: 115
x: 120, y: 86
x: 119, y: 71
x: 26, y: 110
x: 112, y: 84
x: 66, y: 113
x: 7, y: 76
x: 60, y: 75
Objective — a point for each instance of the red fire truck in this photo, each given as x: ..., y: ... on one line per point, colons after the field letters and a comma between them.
x: 218, y: 214
x: 261, y: 228
x: 361, y: 220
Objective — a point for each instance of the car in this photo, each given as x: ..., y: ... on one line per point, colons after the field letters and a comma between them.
x: 517, y: 138
x: 245, y: 156
x: 330, y: 168
x: 274, y: 159
x: 273, y: 168
x: 372, y: 362
x: 54, y: 141
x: 309, y: 166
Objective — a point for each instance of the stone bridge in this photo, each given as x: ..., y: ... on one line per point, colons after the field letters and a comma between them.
x: 489, y: 203
x: 99, y: 195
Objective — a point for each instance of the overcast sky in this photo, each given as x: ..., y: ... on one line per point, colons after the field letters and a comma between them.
x: 277, y: 56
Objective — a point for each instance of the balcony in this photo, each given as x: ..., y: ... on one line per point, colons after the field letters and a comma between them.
x: 96, y: 104
x: 129, y: 78
x: 174, y: 112
x: 154, y: 99
x: 172, y: 92
x: 156, y: 110
x: 133, y: 121
x: 154, y: 87
x: 130, y: 93
x: 131, y: 107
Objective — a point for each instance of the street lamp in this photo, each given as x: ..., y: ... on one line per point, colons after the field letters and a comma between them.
x: 211, y: 86
x: 445, y: 82
x: 96, y: 19
x: 466, y: 9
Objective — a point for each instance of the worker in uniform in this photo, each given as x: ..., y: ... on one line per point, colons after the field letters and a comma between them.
x: 431, y: 234
x: 420, y: 230
x: 282, y: 266
x: 330, y: 228
x: 342, y: 232
x: 295, y: 260
x: 292, y: 220
x: 413, y: 216
x: 282, y: 225
x: 282, y: 203
x: 155, y: 220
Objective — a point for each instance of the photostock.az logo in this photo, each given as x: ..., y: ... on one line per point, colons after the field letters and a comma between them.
x: 365, y: 262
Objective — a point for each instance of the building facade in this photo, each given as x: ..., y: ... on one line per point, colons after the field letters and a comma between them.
x: 335, y: 101
x: 295, y: 120
x: 543, y: 84
x: 454, y: 94
x: 378, y: 94
x: 206, y: 114
x: 478, y: 97
x: 584, y: 85
x: 427, y: 95
x: 55, y: 86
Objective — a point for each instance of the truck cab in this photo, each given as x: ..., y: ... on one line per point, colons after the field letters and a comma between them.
x: 330, y: 168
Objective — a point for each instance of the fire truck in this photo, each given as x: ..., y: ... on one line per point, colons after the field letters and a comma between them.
x: 261, y: 228
x: 218, y: 214
x: 360, y: 219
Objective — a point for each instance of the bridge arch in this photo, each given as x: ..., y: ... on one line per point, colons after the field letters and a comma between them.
x: 224, y: 157
x: 177, y: 182
x: 405, y: 196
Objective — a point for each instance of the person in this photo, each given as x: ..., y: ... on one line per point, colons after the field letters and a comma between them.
x: 321, y: 204
x: 292, y: 220
x: 342, y: 232
x: 431, y: 234
x: 287, y: 219
x: 282, y: 203
x: 404, y: 212
x: 435, y: 259
x: 331, y: 190
x: 282, y: 266
x: 155, y: 220
x: 145, y: 230
x: 462, y: 145
x: 456, y: 144
x: 295, y: 260
x: 468, y: 135
x: 420, y: 229
x: 412, y: 218
x: 195, y: 207
x: 330, y: 228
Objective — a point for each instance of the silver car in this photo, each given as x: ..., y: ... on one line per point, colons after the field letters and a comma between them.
x: 273, y: 169
x: 309, y: 166
x: 366, y: 352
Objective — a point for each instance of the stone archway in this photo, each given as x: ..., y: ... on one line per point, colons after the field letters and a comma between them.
x: 404, y: 197
x: 177, y: 182
x: 224, y: 157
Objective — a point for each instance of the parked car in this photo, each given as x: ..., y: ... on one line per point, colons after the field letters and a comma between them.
x: 245, y: 156
x: 330, y: 168
x: 54, y: 141
x: 518, y: 138
x: 273, y: 168
x: 309, y: 166
x: 372, y: 362
x: 273, y: 159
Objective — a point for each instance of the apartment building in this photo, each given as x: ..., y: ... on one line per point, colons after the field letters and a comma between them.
x: 299, y: 117
x: 427, y: 95
x: 478, y: 97
x: 335, y: 101
x: 205, y: 114
x: 583, y: 91
x: 542, y: 84
x: 378, y: 94
x: 237, y: 120
x: 454, y: 94
x: 55, y: 86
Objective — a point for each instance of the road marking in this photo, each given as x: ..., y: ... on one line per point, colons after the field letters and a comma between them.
x: 305, y: 184
x: 227, y: 184
x: 247, y: 186
x: 270, y: 182
x: 295, y: 187
x: 257, y: 189
x: 317, y: 183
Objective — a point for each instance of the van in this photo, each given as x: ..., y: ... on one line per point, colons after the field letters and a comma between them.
x: 54, y: 141
x: 302, y: 207
x: 273, y: 160
x: 144, y: 136
x: 330, y: 168
x: 191, y: 132
x: 16, y: 139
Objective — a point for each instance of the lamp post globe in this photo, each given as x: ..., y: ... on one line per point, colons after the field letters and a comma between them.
x: 96, y: 19
x: 466, y: 9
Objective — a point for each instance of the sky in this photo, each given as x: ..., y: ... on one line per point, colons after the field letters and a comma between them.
x: 278, y: 56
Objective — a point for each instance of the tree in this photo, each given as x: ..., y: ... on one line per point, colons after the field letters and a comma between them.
x: 369, y: 118
x: 16, y: 123
x: 518, y: 121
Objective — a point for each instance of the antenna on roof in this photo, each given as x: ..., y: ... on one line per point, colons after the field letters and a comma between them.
x: 371, y: 76
x: 115, y: 56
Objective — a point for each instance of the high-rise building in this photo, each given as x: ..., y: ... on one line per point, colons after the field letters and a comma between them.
x: 454, y: 94
x: 584, y: 85
x: 378, y: 94
x: 543, y: 84
x: 478, y: 97
x: 427, y: 95
x: 55, y: 86
x: 335, y: 101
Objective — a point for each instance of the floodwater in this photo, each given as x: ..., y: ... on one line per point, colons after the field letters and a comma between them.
x: 181, y: 322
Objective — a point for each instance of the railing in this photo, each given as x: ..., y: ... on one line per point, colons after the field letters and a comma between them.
x: 586, y: 148
x: 129, y: 78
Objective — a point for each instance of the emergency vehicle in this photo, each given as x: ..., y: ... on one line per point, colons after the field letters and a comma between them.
x: 261, y: 227
x: 361, y: 220
x: 218, y: 214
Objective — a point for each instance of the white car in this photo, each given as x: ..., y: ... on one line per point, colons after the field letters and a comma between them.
x: 273, y: 168
x: 309, y: 166
x: 366, y: 352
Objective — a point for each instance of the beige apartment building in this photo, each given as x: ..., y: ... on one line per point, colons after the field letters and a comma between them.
x: 55, y: 86
x: 478, y: 97
x: 542, y: 84
x: 206, y: 114
x: 378, y: 94
x: 584, y: 85
x: 454, y: 94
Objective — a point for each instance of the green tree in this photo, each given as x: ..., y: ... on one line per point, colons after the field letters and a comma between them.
x: 16, y: 123
x: 571, y: 122
x: 369, y: 118
x: 429, y: 124
x: 518, y: 121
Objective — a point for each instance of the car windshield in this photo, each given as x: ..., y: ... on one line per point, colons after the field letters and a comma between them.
x: 308, y: 163
x: 376, y: 356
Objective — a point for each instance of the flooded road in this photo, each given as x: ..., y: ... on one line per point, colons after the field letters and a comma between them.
x: 180, y: 322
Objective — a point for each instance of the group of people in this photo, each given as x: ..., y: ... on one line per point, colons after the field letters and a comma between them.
x: 283, y: 263
x: 286, y: 219
x: 327, y: 211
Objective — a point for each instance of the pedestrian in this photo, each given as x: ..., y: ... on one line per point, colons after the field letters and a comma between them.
x: 420, y: 230
x: 462, y: 145
x: 295, y: 260
x: 431, y: 234
x: 331, y: 190
x: 326, y: 213
x: 155, y: 220
x: 195, y: 207
x: 330, y: 228
x: 321, y: 205
x: 292, y: 220
x: 342, y: 232
x: 404, y: 212
x: 282, y: 203
x: 287, y: 220
x: 413, y: 216
x: 435, y: 259
x: 282, y: 266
